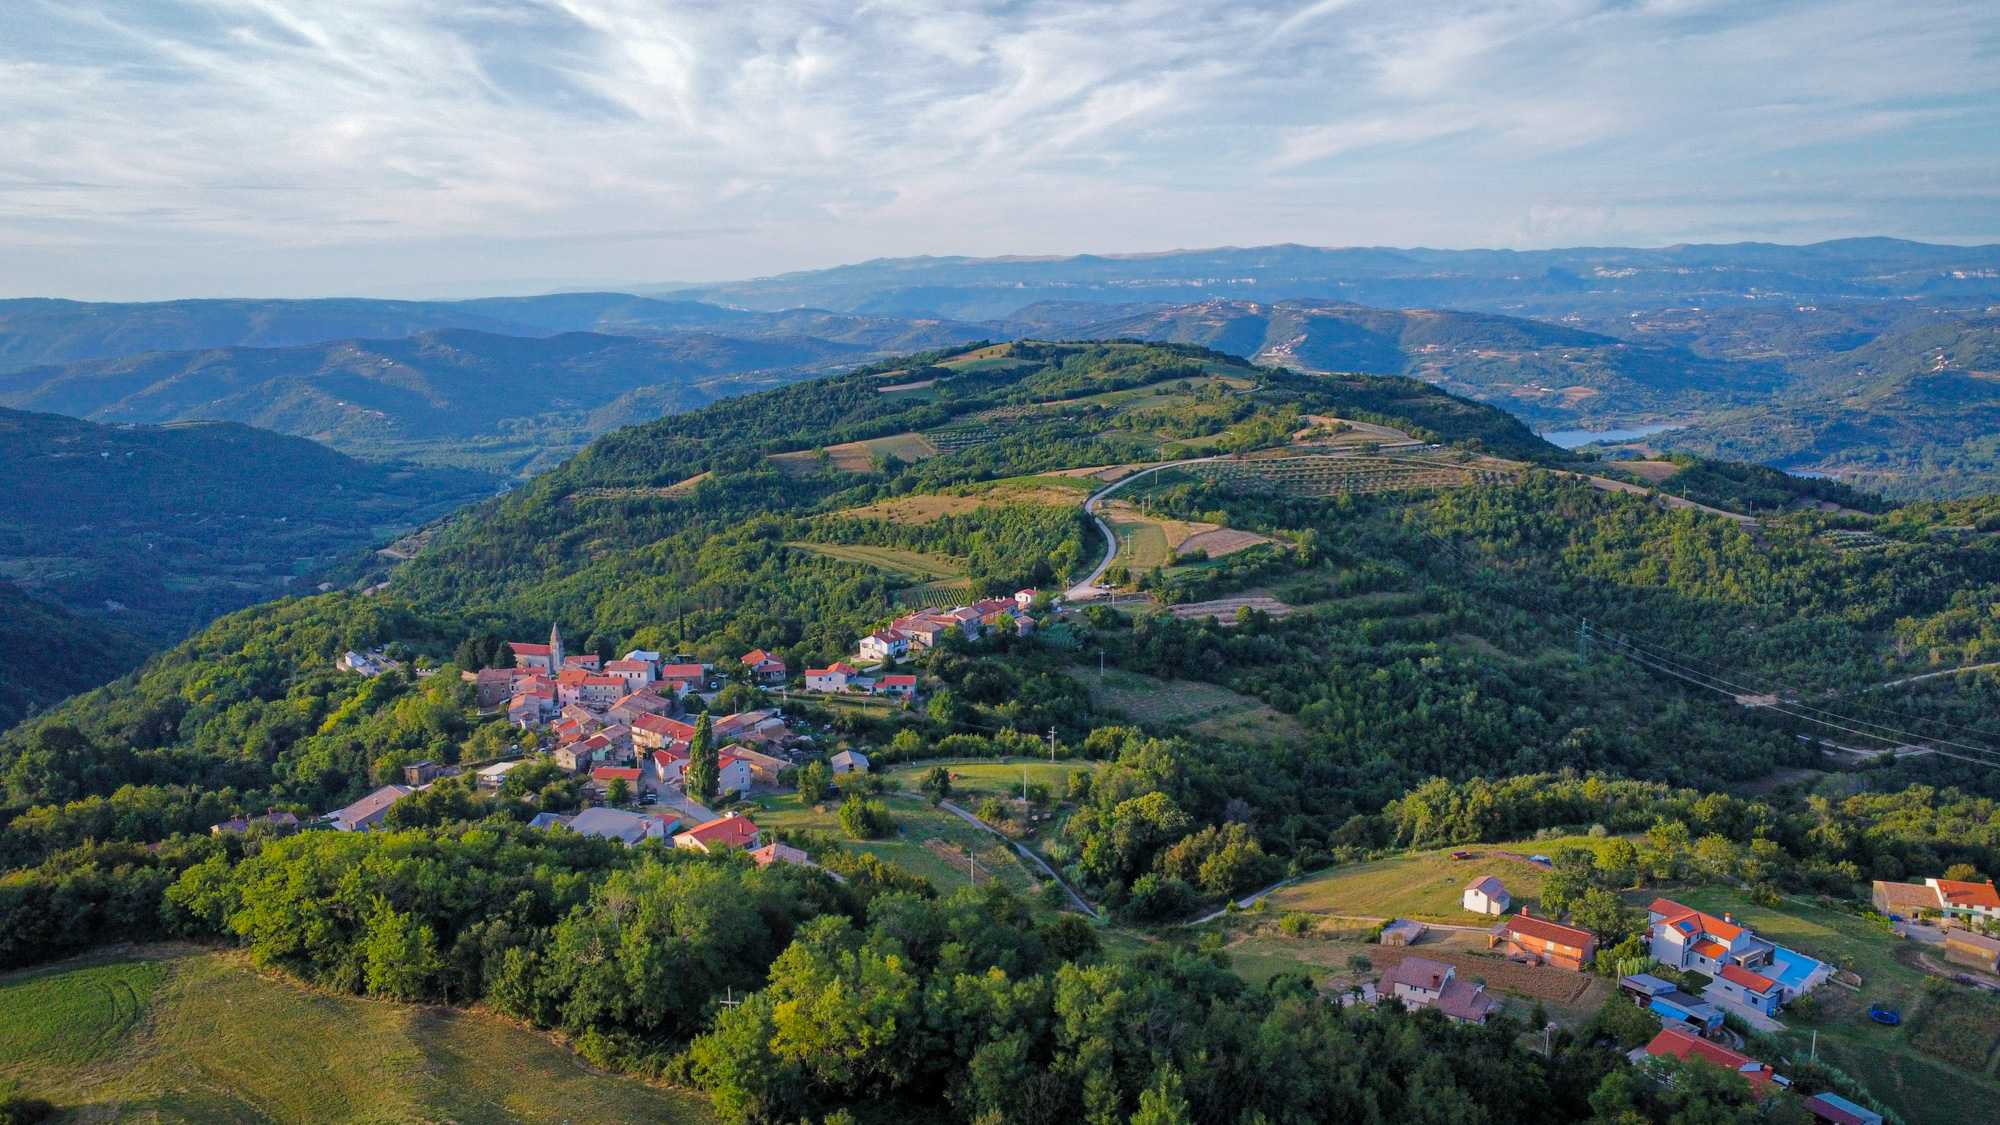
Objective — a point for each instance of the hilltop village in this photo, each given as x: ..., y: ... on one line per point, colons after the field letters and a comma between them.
x: 630, y: 728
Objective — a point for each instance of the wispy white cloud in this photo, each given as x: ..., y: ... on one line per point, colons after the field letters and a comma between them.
x: 163, y: 147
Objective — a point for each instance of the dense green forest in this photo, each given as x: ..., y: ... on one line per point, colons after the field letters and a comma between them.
x: 1432, y: 663
x: 160, y: 529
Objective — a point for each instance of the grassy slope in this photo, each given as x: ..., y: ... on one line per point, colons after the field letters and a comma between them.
x: 184, y: 1036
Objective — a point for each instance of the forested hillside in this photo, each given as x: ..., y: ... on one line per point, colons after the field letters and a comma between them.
x: 157, y: 530
x: 450, y: 396
x: 1498, y: 650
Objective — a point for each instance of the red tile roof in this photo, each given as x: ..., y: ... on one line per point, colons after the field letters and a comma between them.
x: 661, y: 725
x: 1682, y: 1045
x: 899, y: 681
x: 681, y: 672
x: 1755, y: 982
x: 613, y: 773
x: 723, y: 832
x: 1711, y: 950
x: 1555, y: 933
x: 1674, y: 914
x: 1955, y: 893
x: 523, y: 649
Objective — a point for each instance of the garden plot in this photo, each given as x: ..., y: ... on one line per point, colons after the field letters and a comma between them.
x: 1154, y: 701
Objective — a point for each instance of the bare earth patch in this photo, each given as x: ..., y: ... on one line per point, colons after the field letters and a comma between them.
x: 1652, y: 472
x: 1222, y: 541
x: 1224, y: 609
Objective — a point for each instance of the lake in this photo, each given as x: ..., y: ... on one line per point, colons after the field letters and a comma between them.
x: 1570, y: 439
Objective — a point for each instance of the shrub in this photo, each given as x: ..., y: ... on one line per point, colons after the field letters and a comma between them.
x: 992, y: 811
x: 865, y: 819
x: 1296, y: 924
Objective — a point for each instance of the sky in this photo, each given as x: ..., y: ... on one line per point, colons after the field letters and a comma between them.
x: 164, y: 148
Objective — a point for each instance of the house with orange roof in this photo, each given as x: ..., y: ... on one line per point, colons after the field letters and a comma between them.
x: 1970, y: 902
x: 683, y: 678
x: 832, y: 678
x: 1752, y: 990
x: 1540, y: 941
x: 726, y: 833
x: 767, y: 668
x: 635, y: 673
x: 904, y: 686
x: 884, y: 644
x: 670, y: 764
x: 656, y: 732
x: 1685, y: 938
x: 1672, y: 1042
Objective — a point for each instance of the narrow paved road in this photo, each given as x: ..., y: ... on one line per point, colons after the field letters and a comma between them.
x: 1030, y: 856
x: 1089, y: 588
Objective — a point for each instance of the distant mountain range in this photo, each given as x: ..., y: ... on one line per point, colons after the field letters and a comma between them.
x: 1543, y: 283
x: 155, y: 530
x: 506, y: 403
x: 1755, y: 350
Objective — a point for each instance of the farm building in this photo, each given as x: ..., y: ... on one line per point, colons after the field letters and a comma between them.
x: 1666, y: 1000
x: 1964, y: 947
x: 1486, y: 895
x: 1402, y: 931
x: 1421, y: 982
x: 848, y: 761
x: 1544, y: 942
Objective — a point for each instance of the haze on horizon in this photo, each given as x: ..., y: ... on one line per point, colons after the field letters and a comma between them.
x: 174, y: 148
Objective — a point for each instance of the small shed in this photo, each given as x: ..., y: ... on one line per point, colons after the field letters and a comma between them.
x: 1963, y: 947
x: 849, y: 761
x: 1402, y: 931
x: 422, y: 773
x: 1486, y: 895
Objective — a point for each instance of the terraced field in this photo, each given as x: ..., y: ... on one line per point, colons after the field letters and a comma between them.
x: 914, y: 566
x: 1337, y: 475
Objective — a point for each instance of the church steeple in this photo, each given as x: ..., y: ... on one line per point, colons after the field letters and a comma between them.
x: 555, y: 647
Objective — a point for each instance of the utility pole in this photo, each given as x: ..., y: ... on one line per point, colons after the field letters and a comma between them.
x: 1052, y: 752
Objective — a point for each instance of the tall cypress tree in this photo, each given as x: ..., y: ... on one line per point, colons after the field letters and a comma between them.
x: 704, y: 770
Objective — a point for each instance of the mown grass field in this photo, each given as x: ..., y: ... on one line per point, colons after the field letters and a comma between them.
x: 1426, y: 886
x: 916, y: 823
x: 170, y: 1034
x: 1891, y: 1061
x: 915, y: 566
x: 1150, y: 700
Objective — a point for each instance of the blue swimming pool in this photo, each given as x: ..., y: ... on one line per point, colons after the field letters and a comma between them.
x: 1791, y: 969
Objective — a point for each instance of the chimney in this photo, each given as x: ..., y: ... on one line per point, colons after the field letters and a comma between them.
x: 1729, y: 918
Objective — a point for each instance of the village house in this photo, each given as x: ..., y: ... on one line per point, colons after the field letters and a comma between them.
x: 733, y: 774
x: 832, y: 678
x: 602, y: 777
x: 728, y: 832
x: 1905, y: 900
x: 848, y: 761
x: 783, y: 853
x: 885, y: 644
x: 1486, y: 895
x: 1739, y: 985
x: 904, y: 687
x: 636, y: 673
x: 618, y: 824
x: 684, y: 678
x: 1684, y: 938
x: 366, y: 665
x: 763, y: 767
x: 364, y: 815
x: 656, y: 732
x: 642, y: 702
x: 423, y: 773
x: 1422, y: 982
x: 1542, y: 942
x: 491, y: 687
x: 1966, y: 902
x: 1679, y: 1044
x: 768, y: 669
x: 670, y: 765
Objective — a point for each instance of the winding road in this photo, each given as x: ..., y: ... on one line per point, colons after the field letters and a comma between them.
x: 1090, y: 588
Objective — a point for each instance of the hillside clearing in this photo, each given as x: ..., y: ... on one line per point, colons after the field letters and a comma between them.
x: 172, y: 1034
x: 1155, y: 701
x: 919, y: 509
x: 915, y: 566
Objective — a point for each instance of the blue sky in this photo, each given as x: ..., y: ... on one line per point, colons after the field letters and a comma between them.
x: 161, y: 148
